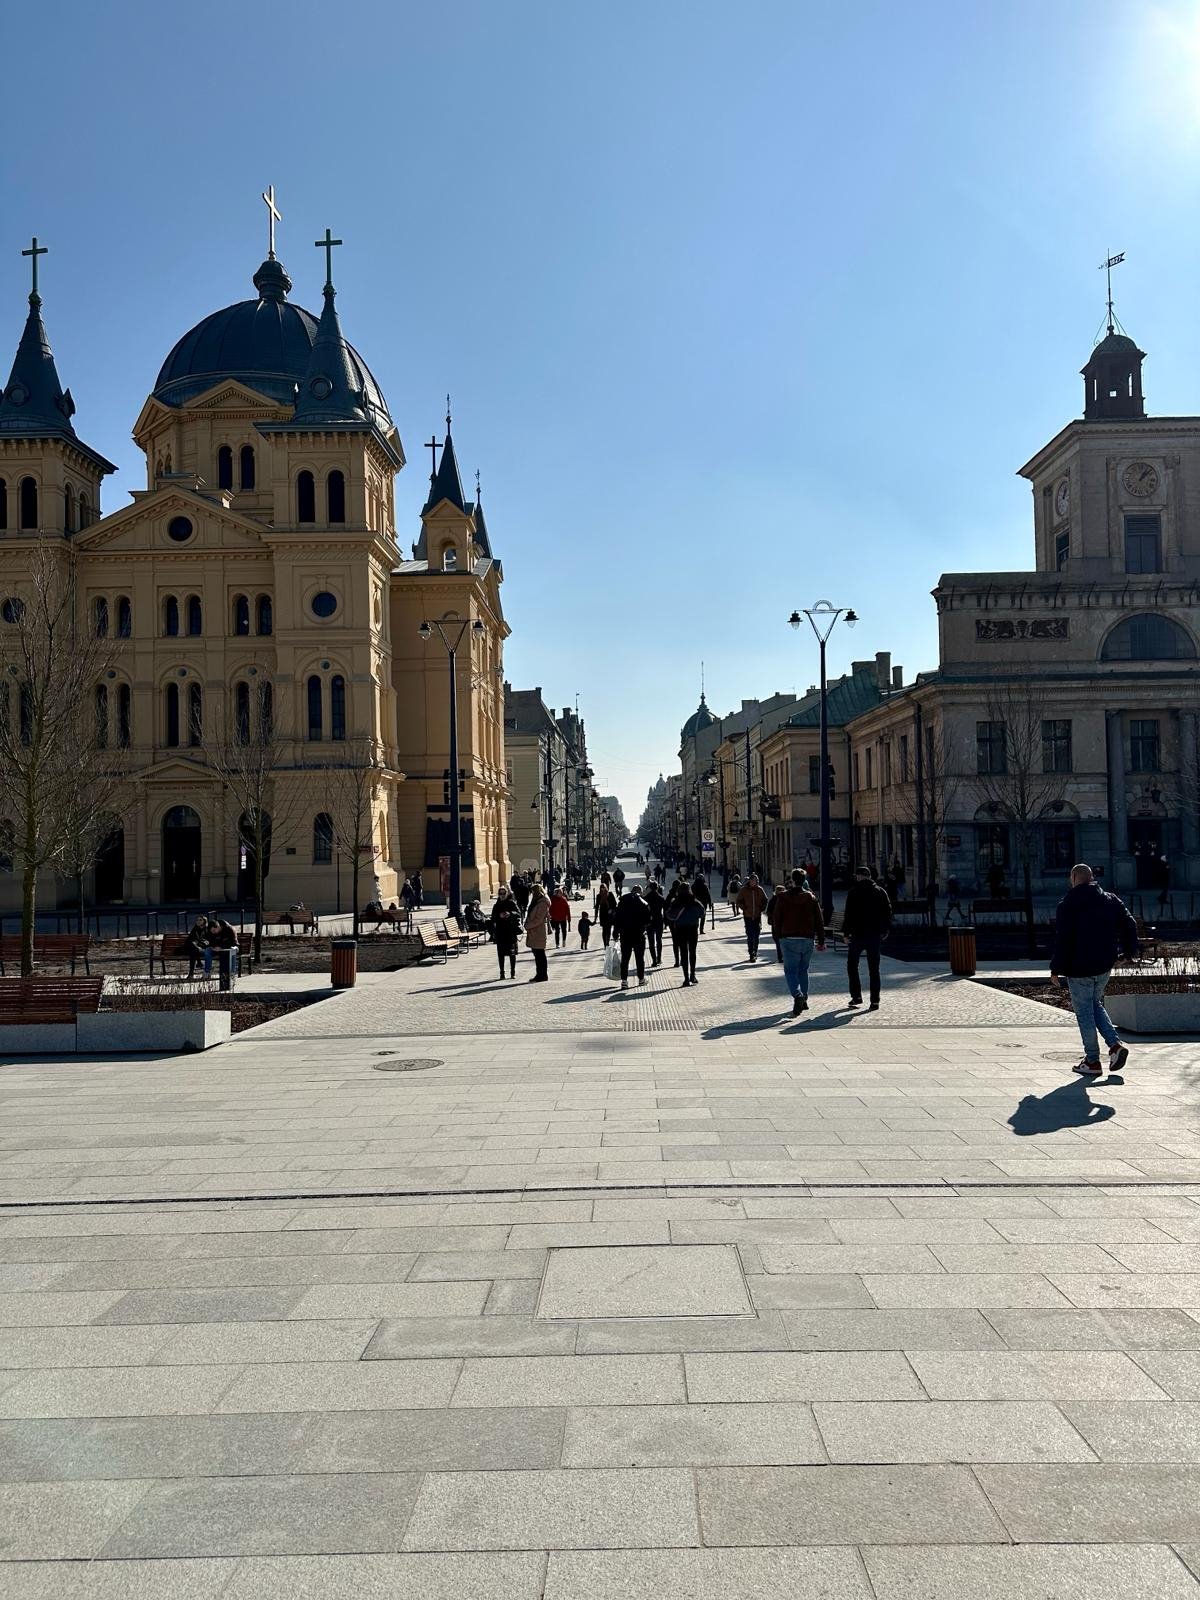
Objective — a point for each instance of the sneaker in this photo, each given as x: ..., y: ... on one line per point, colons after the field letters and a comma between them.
x: 641, y: 983
x: 797, y: 1005
x: 1118, y: 1055
x: 1091, y: 1069
x: 853, y: 1003
x: 874, y: 1006
x: 624, y: 983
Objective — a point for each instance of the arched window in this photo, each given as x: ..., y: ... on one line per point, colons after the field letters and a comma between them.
x: 335, y: 496
x: 1148, y: 637
x: 124, y: 715
x: 101, y: 716
x: 171, y: 617
x: 171, y: 707
x: 3, y: 503
x: 247, y: 466
x: 195, y: 616
x: 69, y: 509
x: 265, y: 619
x: 241, y: 712
x: 100, y: 617
x: 306, y: 498
x: 322, y: 839
x: 314, y: 707
x: 85, y: 511
x: 195, y: 714
x: 337, y: 706
x: 241, y: 614
x: 224, y: 467
x: 266, y: 710
x: 29, y: 503
x: 449, y: 559
x: 124, y: 617
x: 167, y: 465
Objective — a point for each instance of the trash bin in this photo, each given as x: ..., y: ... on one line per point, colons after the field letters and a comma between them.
x: 962, y: 952
x: 343, y: 969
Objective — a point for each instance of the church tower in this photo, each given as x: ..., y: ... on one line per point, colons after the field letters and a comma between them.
x: 49, y: 479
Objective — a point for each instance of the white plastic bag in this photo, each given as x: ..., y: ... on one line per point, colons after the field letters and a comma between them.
x: 612, y: 961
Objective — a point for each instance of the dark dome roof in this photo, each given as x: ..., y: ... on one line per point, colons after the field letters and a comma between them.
x: 1116, y: 344
x: 264, y: 343
x: 700, y: 719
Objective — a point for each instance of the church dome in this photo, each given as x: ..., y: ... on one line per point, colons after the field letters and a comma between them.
x: 700, y: 719
x: 264, y: 343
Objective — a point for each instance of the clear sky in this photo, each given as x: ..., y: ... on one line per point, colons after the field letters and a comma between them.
x: 741, y: 305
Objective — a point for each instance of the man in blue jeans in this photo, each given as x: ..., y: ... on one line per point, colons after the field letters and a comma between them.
x: 800, y: 930
x: 1091, y: 930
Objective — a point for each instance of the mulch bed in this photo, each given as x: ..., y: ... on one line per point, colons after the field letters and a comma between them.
x: 246, y: 1011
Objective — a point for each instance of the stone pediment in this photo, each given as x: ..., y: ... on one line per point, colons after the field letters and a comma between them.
x: 229, y: 395
x: 177, y: 769
x: 140, y: 528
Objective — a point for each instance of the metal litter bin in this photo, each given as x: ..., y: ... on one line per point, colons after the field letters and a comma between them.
x: 343, y: 966
x: 962, y: 952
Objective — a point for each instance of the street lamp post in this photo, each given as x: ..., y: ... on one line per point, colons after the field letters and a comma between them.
x: 451, y: 640
x: 822, y: 618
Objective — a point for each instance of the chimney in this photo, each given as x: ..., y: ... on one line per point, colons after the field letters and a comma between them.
x: 897, y: 677
x: 883, y: 669
x: 862, y: 666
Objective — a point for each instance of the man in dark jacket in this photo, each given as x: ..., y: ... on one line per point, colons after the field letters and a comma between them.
x: 1091, y: 929
x: 799, y: 928
x: 654, y: 930
x: 752, y: 902
x: 630, y: 922
x: 866, y: 918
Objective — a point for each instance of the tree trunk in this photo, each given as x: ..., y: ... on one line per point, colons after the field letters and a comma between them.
x: 258, y: 890
x: 355, y: 895
x: 79, y: 885
x: 1027, y: 887
x: 28, y: 902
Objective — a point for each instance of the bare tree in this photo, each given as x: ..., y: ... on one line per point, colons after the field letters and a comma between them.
x: 58, y: 773
x: 1020, y: 791
x: 251, y: 755
x: 346, y: 785
x: 928, y: 802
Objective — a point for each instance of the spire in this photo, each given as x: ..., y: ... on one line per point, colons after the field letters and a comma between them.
x: 446, y: 483
x: 481, y: 529
x: 34, y: 401
x: 329, y: 391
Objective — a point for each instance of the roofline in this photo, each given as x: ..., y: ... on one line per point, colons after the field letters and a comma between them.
x: 1099, y: 424
x: 62, y: 436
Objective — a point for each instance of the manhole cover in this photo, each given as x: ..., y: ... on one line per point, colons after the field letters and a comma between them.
x: 1061, y: 1055
x: 403, y: 1066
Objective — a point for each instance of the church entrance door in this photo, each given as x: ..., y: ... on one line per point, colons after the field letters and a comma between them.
x: 181, y: 854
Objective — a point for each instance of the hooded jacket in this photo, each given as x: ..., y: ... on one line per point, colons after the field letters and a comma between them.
x: 1091, y: 929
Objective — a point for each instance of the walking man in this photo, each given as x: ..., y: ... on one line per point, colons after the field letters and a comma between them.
x: 865, y: 921
x: 800, y: 929
x: 752, y: 902
x: 630, y: 922
x: 1091, y: 929
x: 654, y: 930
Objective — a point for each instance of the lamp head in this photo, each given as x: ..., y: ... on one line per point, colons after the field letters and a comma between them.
x: 425, y: 631
x: 851, y: 617
x: 794, y: 620
x: 478, y: 629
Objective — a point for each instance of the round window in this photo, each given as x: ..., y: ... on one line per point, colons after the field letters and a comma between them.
x: 321, y: 388
x: 12, y: 610
x: 323, y: 604
x: 179, y: 529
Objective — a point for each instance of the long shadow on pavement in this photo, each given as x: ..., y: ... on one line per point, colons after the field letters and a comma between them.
x: 1067, y: 1106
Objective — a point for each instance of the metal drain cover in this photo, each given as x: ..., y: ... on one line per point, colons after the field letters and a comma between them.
x: 1061, y: 1055
x: 403, y: 1065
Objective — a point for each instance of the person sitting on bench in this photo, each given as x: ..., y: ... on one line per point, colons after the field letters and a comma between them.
x: 222, y: 936
x: 196, y: 946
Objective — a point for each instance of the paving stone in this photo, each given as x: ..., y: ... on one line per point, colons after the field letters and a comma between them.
x: 405, y: 1241
x: 40, y: 1520
x: 915, y: 1230
x: 1030, y: 1572
x: 570, y: 1380
x: 266, y: 1341
x: 402, y: 1338
x: 689, y: 1435
x: 560, y: 1235
x: 890, y: 1330
x: 1045, y: 1258
x: 1095, y: 1503
x: 948, y: 1431
x: 181, y: 1447
x: 666, y: 1334
x: 201, y: 1305
x: 1139, y: 1431
x: 338, y: 1386
x: 1033, y: 1375
x: 303, y: 1242
x: 581, y: 1509
x: 85, y: 1347
x: 116, y: 1580
x: 464, y: 1440
x: 800, y: 1291
x: 1080, y: 1230
x: 300, y: 1514
x: 493, y: 1576
x: 801, y: 1375
x: 33, y: 1275
x: 392, y: 1300
x: 29, y: 1446
x: 1175, y: 1371
x: 855, y: 1258
x: 705, y: 1575
x: 1067, y: 1329
x: 963, y: 1290
x: 260, y: 1271
x: 116, y: 1391
x: 1129, y: 1289
x: 843, y: 1505
x: 463, y: 1265
x: 644, y: 1281
x: 51, y: 1310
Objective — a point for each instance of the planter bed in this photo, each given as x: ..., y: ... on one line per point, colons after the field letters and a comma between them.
x: 1149, y: 1004
x: 153, y: 1023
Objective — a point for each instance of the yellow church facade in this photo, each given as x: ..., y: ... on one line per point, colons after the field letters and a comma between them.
x: 255, y: 588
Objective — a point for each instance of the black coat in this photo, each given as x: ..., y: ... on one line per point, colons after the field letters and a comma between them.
x: 505, y: 924
x: 633, y: 916
x: 868, y: 911
x: 1091, y: 929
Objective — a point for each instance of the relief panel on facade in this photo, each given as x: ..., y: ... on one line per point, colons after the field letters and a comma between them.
x: 995, y: 628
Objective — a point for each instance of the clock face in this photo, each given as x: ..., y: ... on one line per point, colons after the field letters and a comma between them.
x: 1062, y: 498
x: 1140, y: 478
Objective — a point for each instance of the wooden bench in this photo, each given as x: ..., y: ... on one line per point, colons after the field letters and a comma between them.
x: 172, y: 947
x: 431, y: 943
x: 389, y: 916
x: 454, y: 937
x: 307, y: 921
x: 55, y: 948
x: 47, y: 1000
x: 1147, y: 939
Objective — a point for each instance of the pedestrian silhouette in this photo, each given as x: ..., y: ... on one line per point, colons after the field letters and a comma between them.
x: 1065, y: 1107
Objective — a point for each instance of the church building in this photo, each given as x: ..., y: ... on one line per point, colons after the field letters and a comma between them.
x: 256, y: 587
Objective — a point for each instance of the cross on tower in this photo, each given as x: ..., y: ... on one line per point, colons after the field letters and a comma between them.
x: 35, y: 250
x: 327, y: 244
x: 273, y: 216
x: 1106, y: 267
x: 432, y: 446
x: 447, y: 413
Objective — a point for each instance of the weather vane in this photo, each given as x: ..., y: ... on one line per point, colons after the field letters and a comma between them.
x: 1106, y: 267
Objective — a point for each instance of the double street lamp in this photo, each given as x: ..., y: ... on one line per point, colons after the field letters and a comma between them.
x: 822, y: 618
x: 452, y: 637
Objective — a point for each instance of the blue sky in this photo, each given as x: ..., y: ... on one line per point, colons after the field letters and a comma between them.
x: 740, y: 306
